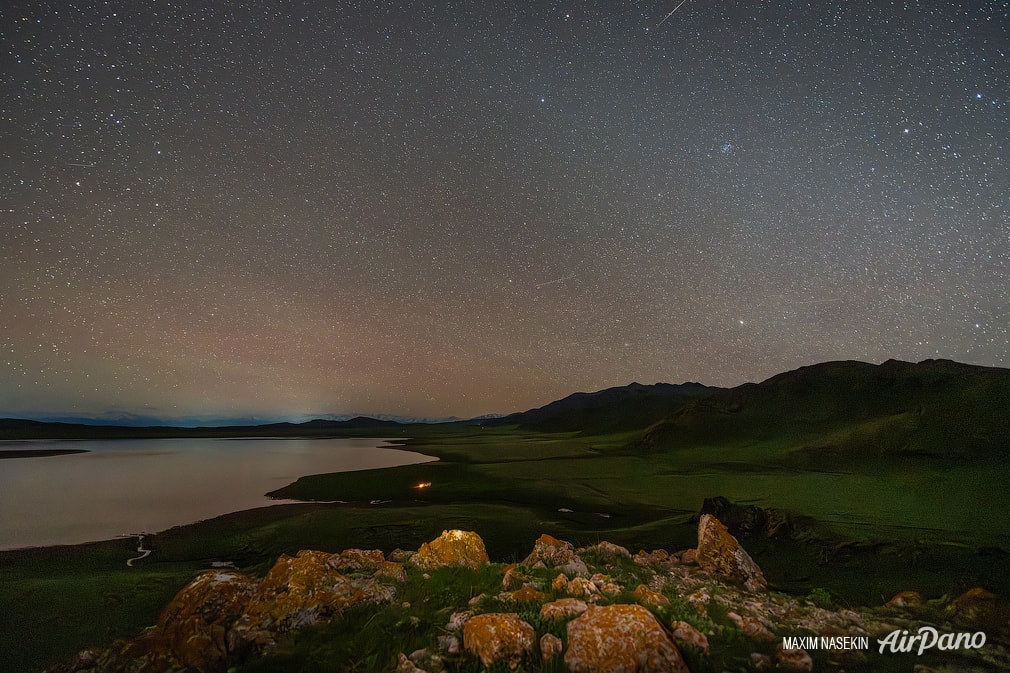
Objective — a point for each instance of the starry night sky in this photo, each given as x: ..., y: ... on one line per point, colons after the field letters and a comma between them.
x: 434, y: 208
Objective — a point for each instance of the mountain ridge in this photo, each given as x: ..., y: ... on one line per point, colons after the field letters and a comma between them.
x: 670, y: 414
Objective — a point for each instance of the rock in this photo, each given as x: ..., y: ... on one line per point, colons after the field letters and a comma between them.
x: 794, y: 659
x: 458, y: 620
x: 752, y: 628
x: 449, y: 644
x: 906, y: 599
x: 760, y: 662
x: 650, y: 598
x: 394, y: 571
x: 657, y: 557
x: 550, y: 647
x: 527, y: 594
x: 580, y: 586
x: 563, y: 608
x: 83, y: 661
x: 685, y: 633
x: 357, y: 559
x: 625, y: 638
x: 973, y: 606
x: 700, y: 599
x: 512, y: 578
x: 300, y: 591
x: 554, y: 553
x: 194, y: 626
x: 222, y: 614
x: 405, y: 665
x: 689, y: 556
x: 499, y: 637
x: 452, y: 549
x: 610, y: 550
x: 428, y: 661
x: 399, y: 555
x: 721, y: 554
x: 606, y: 585
x: 743, y: 520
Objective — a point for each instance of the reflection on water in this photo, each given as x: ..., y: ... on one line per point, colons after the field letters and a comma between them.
x: 147, y: 485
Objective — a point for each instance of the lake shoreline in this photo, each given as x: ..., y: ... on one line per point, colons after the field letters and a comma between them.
x: 509, y: 486
x: 38, y: 453
x: 90, y: 490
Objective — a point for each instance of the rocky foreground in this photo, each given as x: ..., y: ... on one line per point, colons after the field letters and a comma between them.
x: 598, y: 609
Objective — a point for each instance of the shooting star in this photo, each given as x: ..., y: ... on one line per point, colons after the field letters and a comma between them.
x: 552, y: 282
x: 672, y: 12
x: 82, y: 165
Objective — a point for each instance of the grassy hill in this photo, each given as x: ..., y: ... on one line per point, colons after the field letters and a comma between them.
x: 897, y: 470
x: 851, y: 413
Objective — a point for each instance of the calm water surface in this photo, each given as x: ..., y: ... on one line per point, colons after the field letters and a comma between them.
x: 147, y: 485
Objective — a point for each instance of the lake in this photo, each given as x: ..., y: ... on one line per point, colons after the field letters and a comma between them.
x: 146, y: 485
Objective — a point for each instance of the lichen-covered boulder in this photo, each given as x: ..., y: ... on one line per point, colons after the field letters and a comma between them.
x: 357, y: 559
x: 563, y: 608
x: 720, y: 553
x: 685, y: 633
x: 300, y: 591
x: 452, y: 549
x: 499, y: 637
x: 649, y: 598
x: 609, y: 550
x: 621, y: 639
x: 297, y: 591
x: 392, y: 570
x: 550, y: 552
x: 194, y: 626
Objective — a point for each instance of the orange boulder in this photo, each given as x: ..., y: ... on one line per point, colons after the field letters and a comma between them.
x: 499, y: 637
x: 625, y: 638
x: 453, y: 549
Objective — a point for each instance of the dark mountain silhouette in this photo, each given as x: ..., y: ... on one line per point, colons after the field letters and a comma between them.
x: 818, y: 413
x: 14, y: 428
x: 823, y: 414
x: 611, y: 410
x: 935, y: 407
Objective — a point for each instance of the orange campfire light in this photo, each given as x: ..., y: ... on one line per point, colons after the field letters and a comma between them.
x: 423, y: 484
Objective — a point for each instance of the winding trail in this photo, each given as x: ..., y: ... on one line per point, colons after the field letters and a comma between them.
x: 144, y: 553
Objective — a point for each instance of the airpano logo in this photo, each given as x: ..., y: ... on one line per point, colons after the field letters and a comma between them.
x: 927, y: 638
x: 896, y: 642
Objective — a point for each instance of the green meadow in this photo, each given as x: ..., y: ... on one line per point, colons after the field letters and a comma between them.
x: 867, y: 533
x: 893, y: 477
